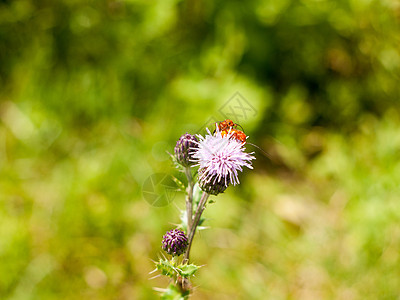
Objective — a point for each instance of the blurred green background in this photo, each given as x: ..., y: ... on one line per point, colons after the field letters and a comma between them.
x: 94, y: 92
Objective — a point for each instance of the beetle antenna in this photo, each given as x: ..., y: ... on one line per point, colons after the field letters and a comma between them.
x: 265, y: 153
x: 240, y: 126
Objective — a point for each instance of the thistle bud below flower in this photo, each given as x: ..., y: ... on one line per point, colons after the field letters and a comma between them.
x: 183, y: 145
x: 212, y: 186
x: 175, y: 242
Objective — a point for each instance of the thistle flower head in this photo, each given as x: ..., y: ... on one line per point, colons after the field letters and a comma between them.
x: 175, y: 242
x: 220, y: 159
x: 213, y: 187
x: 185, y: 142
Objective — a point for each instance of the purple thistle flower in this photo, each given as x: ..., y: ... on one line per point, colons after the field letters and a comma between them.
x: 220, y: 158
x: 175, y: 242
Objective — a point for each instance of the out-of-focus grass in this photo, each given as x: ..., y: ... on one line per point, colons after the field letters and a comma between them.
x: 330, y: 233
x: 93, y: 94
x: 74, y: 223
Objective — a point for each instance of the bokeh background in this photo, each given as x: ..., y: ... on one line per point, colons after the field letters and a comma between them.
x: 93, y: 94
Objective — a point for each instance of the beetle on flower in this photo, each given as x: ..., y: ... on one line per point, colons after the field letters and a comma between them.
x: 219, y: 158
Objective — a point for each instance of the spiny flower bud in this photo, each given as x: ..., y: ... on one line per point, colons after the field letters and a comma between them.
x: 212, y: 185
x: 183, y: 145
x: 175, y: 242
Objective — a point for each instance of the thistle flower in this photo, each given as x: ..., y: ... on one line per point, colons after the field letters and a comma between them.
x: 175, y: 242
x: 185, y: 142
x: 220, y: 158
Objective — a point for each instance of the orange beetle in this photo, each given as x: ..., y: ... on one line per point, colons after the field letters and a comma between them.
x: 227, y: 124
x: 236, y: 134
x: 229, y: 127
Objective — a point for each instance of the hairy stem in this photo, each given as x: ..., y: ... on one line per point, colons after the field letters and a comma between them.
x: 199, y: 211
x: 189, y: 199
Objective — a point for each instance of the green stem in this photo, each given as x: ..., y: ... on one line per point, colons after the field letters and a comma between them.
x: 199, y: 211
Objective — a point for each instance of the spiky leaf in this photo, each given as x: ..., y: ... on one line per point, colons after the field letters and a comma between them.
x: 187, y: 270
x: 173, y: 293
x: 166, y: 267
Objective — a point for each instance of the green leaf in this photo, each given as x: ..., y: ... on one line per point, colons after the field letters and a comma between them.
x: 197, y: 192
x: 167, y: 268
x: 173, y: 293
x: 180, y: 184
x: 183, y: 224
x: 201, y: 221
x: 187, y: 270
